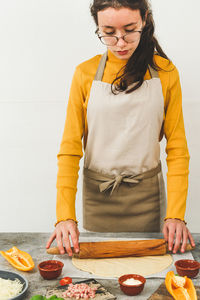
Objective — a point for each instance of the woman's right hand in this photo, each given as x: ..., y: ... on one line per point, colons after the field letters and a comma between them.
x: 61, y: 233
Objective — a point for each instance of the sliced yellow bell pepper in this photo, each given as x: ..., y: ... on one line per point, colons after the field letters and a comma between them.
x: 21, y: 260
x: 181, y: 288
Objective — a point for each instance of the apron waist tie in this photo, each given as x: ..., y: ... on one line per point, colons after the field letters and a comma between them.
x: 114, y: 181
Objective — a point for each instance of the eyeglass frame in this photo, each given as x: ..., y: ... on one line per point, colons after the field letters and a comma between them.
x: 117, y: 38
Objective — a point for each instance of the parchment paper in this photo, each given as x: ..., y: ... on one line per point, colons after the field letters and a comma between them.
x: 70, y: 270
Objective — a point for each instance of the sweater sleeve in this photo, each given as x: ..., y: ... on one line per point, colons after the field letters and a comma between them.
x: 70, y: 152
x: 176, y: 149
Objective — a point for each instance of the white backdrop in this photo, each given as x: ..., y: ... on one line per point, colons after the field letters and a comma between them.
x: 41, y: 43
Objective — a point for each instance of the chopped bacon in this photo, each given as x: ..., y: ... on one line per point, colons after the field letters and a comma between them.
x: 80, y: 290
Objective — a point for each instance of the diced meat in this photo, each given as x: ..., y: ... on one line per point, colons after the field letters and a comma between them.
x: 80, y: 290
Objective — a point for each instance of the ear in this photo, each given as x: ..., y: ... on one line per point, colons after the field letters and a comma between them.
x: 145, y: 19
x: 146, y: 15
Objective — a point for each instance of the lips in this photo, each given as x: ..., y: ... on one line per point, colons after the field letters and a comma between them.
x: 122, y: 52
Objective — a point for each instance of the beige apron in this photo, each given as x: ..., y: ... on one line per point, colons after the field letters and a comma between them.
x: 123, y: 189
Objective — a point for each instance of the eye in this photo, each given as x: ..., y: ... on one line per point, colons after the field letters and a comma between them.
x: 109, y: 33
x: 130, y: 30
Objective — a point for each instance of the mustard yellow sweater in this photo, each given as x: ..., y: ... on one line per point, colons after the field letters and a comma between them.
x: 76, y: 129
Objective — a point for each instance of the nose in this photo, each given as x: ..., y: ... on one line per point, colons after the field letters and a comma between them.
x: 121, y: 42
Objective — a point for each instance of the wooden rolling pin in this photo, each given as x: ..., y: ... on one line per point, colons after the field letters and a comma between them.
x: 120, y: 248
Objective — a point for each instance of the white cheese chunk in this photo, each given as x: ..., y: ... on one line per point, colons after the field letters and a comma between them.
x: 132, y: 281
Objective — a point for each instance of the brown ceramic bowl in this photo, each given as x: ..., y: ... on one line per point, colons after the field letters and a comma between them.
x: 131, y: 290
x: 50, y: 269
x: 187, y: 267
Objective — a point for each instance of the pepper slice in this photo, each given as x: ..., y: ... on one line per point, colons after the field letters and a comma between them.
x: 181, y: 288
x: 65, y: 280
x: 21, y: 260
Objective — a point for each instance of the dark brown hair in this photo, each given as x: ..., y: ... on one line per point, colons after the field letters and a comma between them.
x: 136, y: 67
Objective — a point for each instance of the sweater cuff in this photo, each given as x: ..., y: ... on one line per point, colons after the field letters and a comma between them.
x: 176, y: 219
x: 65, y: 220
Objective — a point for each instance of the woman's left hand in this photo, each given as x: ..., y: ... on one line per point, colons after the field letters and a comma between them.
x: 177, y: 234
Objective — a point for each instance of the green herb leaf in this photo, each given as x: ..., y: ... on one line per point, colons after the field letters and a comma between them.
x: 38, y: 297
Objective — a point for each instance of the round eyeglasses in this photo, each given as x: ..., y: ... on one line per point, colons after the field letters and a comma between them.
x: 112, y: 40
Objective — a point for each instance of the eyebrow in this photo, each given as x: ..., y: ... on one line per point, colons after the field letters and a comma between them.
x: 106, y: 26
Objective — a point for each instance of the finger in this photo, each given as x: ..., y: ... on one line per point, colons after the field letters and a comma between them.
x: 165, y: 232
x: 67, y: 244
x: 74, y: 237
x: 185, y: 238
x: 50, y: 240
x: 191, y: 239
x: 78, y: 232
x: 179, y: 231
x: 171, y: 233
x: 59, y: 242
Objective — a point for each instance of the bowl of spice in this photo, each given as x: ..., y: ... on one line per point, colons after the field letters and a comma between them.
x: 187, y: 267
x: 131, y: 284
x: 50, y: 269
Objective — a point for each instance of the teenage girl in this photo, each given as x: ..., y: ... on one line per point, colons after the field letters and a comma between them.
x: 121, y: 104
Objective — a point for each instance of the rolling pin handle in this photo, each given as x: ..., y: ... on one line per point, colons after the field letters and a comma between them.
x: 53, y: 250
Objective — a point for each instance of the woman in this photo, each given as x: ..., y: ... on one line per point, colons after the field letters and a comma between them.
x: 122, y: 103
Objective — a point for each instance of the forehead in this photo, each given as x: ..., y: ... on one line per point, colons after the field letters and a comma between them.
x: 118, y: 17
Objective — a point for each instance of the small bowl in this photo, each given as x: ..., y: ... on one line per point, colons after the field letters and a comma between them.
x: 131, y: 290
x: 50, y: 269
x: 187, y: 267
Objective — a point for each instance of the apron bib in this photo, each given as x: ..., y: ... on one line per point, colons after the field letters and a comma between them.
x: 123, y: 188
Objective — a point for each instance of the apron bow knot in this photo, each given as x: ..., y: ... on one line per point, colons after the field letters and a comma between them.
x: 116, y: 182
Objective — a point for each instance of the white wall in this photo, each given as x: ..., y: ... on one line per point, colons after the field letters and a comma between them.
x: 41, y: 43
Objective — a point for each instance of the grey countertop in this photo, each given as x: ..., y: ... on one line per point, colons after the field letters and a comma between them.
x: 34, y: 244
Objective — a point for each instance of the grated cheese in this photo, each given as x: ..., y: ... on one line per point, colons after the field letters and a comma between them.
x: 9, y: 288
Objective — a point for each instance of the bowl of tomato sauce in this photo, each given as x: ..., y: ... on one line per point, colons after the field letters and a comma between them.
x: 187, y: 267
x: 50, y: 269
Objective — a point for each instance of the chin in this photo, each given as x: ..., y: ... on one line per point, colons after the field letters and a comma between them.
x: 124, y: 57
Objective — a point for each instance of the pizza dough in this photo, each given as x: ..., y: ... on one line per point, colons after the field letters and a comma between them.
x: 115, y: 267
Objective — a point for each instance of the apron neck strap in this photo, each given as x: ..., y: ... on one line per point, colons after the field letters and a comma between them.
x: 102, y: 63
x: 100, y: 70
x: 153, y: 73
